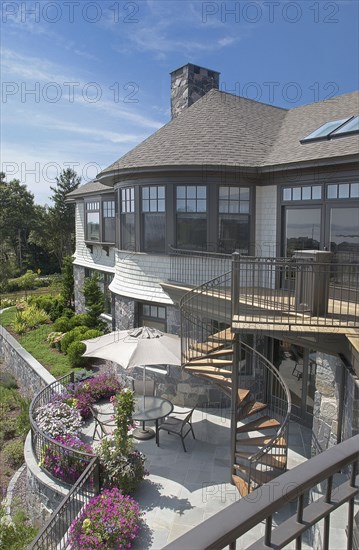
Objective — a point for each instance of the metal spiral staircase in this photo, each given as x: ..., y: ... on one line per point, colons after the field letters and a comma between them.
x: 259, y: 398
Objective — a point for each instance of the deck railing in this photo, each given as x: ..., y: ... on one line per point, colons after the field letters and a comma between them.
x: 194, y: 267
x: 279, y: 291
x: 290, y: 291
x: 54, y: 534
x: 294, y: 487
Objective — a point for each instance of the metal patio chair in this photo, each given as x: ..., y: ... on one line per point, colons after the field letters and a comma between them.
x: 104, y: 423
x: 178, y: 426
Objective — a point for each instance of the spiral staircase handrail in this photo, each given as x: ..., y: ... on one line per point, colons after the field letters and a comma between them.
x: 189, y: 315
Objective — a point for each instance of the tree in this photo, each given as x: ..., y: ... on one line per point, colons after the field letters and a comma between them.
x: 55, y: 226
x: 17, y: 214
x: 67, y: 289
x: 62, y: 214
x: 94, y: 299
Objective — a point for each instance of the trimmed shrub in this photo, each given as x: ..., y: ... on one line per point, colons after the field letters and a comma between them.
x: 74, y: 352
x: 82, y: 319
x: 91, y: 333
x: 69, y: 313
x: 62, y: 324
x: 74, y: 334
x: 57, y: 308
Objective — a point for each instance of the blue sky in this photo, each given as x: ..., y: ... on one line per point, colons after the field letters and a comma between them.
x: 83, y: 81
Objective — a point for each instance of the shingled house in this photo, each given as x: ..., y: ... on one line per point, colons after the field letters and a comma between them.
x: 226, y: 174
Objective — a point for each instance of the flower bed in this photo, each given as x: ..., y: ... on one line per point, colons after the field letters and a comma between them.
x: 110, y: 520
x: 82, y: 395
x: 63, y: 463
x: 58, y: 418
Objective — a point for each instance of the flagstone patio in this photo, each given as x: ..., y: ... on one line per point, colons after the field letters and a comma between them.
x: 183, y: 489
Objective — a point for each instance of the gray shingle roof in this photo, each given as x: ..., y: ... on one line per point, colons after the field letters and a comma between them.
x: 301, y: 121
x: 223, y: 129
x: 89, y: 188
x: 219, y: 128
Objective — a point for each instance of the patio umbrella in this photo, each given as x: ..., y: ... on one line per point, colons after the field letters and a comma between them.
x: 136, y: 347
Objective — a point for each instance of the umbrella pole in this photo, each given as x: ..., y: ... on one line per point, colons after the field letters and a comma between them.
x: 144, y: 385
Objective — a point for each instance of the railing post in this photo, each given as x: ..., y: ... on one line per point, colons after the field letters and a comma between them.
x: 236, y: 353
x: 351, y: 508
x: 235, y: 282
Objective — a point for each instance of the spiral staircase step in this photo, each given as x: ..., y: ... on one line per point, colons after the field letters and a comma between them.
x: 250, y: 408
x: 241, y: 485
x: 207, y: 347
x: 262, y: 441
x: 273, y: 460
x: 258, y: 476
x: 263, y: 423
x: 208, y: 361
x: 219, y: 353
x: 226, y: 335
x: 207, y: 370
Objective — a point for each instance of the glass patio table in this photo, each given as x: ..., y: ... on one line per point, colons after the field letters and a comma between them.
x: 149, y: 408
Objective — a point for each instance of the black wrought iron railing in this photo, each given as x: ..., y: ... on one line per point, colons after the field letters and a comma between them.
x: 44, y: 446
x: 257, y: 374
x: 54, y: 534
x: 290, y: 291
x: 293, y: 488
x: 206, y: 314
x: 194, y: 267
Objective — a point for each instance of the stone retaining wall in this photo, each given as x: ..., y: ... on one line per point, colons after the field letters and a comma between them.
x: 32, y: 376
x: 44, y: 493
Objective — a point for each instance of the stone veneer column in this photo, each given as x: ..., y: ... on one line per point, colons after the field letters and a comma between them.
x: 79, y: 277
x: 173, y: 320
x: 124, y: 313
x: 326, y: 403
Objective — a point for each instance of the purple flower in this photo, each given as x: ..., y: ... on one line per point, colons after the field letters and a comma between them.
x: 110, y: 520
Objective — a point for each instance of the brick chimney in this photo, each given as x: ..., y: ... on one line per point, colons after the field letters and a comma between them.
x: 189, y: 83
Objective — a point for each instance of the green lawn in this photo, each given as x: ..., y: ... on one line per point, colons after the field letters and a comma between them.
x: 35, y: 343
x: 7, y: 317
x: 19, y: 294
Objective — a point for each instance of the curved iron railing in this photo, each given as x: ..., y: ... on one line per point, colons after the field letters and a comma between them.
x: 43, y: 443
x: 206, y: 316
x: 267, y: 386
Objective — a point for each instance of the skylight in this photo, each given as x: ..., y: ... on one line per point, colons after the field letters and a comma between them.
x: 334, y: 128
x: 348, y: 128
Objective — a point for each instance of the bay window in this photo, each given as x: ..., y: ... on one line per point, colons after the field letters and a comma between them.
x: 128, y: 240
x: 153, y: 219
x: 233, y: 217
x: 93, y: 221
x: 100, y: 220
x: 191, y: 217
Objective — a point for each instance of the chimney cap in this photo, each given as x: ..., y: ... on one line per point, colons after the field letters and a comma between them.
x: 191, y: 65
